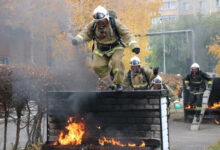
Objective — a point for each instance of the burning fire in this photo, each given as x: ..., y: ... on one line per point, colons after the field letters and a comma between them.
x: 215, y: 105
x: 99, y: 127
x: 118, y: 143
x: 75, y: 133
x: 217, y: 122
x: 142, y: 144
x: 188, y: 106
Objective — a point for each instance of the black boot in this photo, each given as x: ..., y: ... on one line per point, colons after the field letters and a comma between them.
x: 197, y: 118
x: 112, y: 87
x: 119, y: 88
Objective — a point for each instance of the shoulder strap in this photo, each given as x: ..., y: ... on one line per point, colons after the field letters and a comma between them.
x: 165, y: 87
x: 93, y: 35
x: 113, y: 25
x: 129, y: 77
x: 145, y: 76
x: 112, y: 22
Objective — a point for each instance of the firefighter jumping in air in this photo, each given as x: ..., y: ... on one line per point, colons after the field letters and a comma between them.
x: 157, y: 84
x: 139, y: 78
x: 195, y: 84
x: 110, y: 36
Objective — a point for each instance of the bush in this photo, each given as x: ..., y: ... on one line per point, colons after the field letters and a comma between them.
x: 174, y: 81
x: 215, y: 147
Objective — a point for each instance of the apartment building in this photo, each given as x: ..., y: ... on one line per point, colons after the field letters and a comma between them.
x: 194, y: 7
x: 168, y: 11
x: 172, y: 9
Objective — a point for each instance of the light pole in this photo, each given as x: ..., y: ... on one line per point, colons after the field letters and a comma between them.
x: 164, y: 45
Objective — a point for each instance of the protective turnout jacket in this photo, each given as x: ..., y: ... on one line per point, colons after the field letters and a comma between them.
x: 171, y: 95
x: 139, y: 81
x: 88, y: 34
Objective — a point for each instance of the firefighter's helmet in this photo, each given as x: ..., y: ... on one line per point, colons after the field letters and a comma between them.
x: 195, y: 65
x: 100, y: 13
x: 195, y: 68
x: 135, y: 61
x: 157, y: 80
x: 157, y: 83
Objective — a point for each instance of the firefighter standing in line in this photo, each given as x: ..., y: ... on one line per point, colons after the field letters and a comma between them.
x: 108, y: 32
x: 139, y: 78
x: 195, y: 83
x: 157, y: 84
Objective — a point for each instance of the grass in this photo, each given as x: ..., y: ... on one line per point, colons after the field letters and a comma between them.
x: 215, y: 147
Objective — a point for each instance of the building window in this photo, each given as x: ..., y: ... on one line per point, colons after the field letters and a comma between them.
x: 154, y: 20
x: 202, y: 4
x: 169, y: 18
x: 169, y: 5
x: 186, y: 6
x: 3, y: 60
x: 218, y: 3
x: 172, y: 18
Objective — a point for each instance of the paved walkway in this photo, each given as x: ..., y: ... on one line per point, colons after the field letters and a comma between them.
x: 181, y: 138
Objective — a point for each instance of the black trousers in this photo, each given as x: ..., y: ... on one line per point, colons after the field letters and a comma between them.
x: 196, y: 99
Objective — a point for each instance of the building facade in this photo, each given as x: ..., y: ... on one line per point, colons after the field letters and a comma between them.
x: 172, y: 9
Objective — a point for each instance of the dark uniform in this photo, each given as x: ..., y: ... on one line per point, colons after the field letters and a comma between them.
x: 196, y: 85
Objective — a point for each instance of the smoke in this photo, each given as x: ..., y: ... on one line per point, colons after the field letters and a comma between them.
x: 34, y: 33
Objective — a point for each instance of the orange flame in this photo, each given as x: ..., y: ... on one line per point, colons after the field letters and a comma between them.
x: 217, y: 122
x: 142, y: 144
x: 74, y: 135
x: 118, y: 143
x: 111, y: 141
x: 131, y: 145
x: 214, y: 106
x: 188, y: 107
x: 99, y: 127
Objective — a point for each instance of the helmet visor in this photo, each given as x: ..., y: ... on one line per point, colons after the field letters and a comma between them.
x: 134, y: 63
x: 98, y: 16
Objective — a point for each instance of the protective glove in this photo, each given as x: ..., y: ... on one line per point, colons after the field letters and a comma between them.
x: 75, y: 42
x: 188, y: 88
x: 209, y: 87
x: 155, y: 70
x: 136, y: 50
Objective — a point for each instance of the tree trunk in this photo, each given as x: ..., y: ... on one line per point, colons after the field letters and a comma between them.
x: 5, y: 126
x: 28, y: 127
x: 34, y: 128
x: 37, y: 132
x: 17, y: 127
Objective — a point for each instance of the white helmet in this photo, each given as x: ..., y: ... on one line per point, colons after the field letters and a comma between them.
x: 195, y: 65
x: 100, y: 13
x: 135, y: 61
x: 157, y: 80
